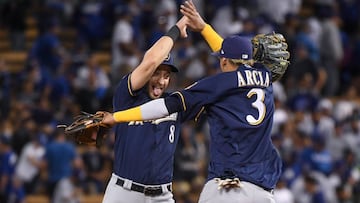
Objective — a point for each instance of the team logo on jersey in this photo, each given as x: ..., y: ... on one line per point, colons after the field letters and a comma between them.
x: 171, y: 117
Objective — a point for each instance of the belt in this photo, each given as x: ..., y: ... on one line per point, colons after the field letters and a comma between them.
x: 148, y: 191
x: 268, y: 190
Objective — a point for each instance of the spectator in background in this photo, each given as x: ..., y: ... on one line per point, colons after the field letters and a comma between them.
x: 304, y: 71
x: 28, y: 94
x: 60, y: 160
x: 336, y: 143
x: 303, y: 38
x: 228, y: 21
x: 67, y: 190
x: 125, y: 54
x: 343, y: 194
x: 24, y: 127
x: 91, y: 82
x: 281, y: 7
x: 60, y: 87
x: 63, y: 9
x: 307, y: 189
x: 351, y: 71
x: 346, y: 104
x: 17, y: 192
x: 28, y: 167
x: 282, y: 194
x: 48, y: 51
x: 168, y: 9
x: 317, y: 157
x: 42, y: 112
x: 95, y: 164
x: 323, y: 118
x: 314, y: 191
x: 185, y: 158
x: 352, y: 133
x: 331, y: 48
x: 249, y: 28
x: 90, y: 22
x: 198, y: 64
x: 7, y: 167
x: 157, y: 31
x: 347, y: 170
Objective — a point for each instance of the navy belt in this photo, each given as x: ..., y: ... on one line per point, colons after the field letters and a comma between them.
x: 148, y: 191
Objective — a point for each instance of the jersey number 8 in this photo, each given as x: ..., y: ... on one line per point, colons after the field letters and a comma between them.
x: 172, y: 134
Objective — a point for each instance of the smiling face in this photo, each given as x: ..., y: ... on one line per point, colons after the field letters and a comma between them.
x: 159, y: 81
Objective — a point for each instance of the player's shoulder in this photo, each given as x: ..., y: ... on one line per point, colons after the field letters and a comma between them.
x: 124, y: 80
x: 213, y: 79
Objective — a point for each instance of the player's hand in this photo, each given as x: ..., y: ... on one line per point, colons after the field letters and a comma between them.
x: 196, y: 23
x: 182, y: 25
x: 108, y: 119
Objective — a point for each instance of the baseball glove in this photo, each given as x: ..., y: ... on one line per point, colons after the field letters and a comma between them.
x: 87, y: 129
x: 271, y: 50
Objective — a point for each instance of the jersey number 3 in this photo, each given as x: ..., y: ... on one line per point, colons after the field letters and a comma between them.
x: 257, y: 104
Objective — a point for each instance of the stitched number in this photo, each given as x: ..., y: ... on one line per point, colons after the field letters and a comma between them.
x: 172, y: 134
x: 258, y: 104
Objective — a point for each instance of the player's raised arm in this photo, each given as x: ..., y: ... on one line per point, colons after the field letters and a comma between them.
x: 197, y: 24
x: 156, y: 54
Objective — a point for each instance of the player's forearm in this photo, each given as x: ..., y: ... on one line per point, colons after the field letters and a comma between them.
x: 162, y: 47
x: 213, y: 39
x: 151, y: 110
x: 158, y: 52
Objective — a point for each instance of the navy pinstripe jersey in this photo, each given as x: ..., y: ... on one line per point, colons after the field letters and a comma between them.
x: 144, y: 150
x: 239, y: 107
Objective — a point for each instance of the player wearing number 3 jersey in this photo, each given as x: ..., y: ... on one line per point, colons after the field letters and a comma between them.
x: 244, y: 165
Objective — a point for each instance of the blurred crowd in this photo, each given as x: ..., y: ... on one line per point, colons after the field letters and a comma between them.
x: 316, y: 123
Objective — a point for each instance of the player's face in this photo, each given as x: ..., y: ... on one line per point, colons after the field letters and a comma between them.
x: 159, y: 81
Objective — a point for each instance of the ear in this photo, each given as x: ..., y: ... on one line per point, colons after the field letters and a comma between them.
x: 223, y: 61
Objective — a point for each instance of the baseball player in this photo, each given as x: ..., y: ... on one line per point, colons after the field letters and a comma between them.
x: 143, y: 163
x: 244, y: 165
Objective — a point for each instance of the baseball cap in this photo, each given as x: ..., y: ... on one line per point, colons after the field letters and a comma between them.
x: 169, y: 61
x: 235, y: 47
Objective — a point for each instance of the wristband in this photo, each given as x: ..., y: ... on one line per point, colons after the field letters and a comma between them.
x: 173, y: 33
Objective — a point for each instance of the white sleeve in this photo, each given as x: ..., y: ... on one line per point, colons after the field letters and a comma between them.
x: 154, y: 109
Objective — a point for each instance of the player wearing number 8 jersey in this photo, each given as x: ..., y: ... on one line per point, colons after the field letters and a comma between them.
x: 143, y: 151
x: 244, y: 165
